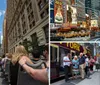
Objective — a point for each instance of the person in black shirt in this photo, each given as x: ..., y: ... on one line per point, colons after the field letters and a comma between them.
x: 82, y: 65
x: 14, y: 65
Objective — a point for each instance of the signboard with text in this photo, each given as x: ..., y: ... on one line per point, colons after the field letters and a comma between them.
x: 71, y: 12
x: 72, y: 46
x: 51, y: 11
x: 58, y: 11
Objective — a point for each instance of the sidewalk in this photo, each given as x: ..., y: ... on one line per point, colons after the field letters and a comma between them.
x: 2, y: 80
x: 95, y: 80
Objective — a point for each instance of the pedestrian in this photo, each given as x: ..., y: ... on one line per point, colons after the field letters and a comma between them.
x: 66, y: 63
x: 14, y: 64
x: 99, y: 59
x: 46, y: 54
x: 9, y: 56
x: 38, y: 74
x: 82, y: 65
x: 95, y: 58
x: 3, y: 61
x: 75, y: 63
x: 92, y: 62
x: 87, y: 66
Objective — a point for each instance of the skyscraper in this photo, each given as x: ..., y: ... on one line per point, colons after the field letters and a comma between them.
x: 80, y: 5
x: 5, y: 38
x: 27, y: 21
x: 95, y: 7
x: 88, y: 6
x: 0, y: 38
x: 92, y: 8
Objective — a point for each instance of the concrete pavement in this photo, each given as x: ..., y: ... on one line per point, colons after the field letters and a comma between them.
x: 95, y: 80
x: 2, y: 80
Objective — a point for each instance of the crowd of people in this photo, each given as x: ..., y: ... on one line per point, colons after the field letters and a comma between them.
x: 82, y: 66
x: 21, y: 58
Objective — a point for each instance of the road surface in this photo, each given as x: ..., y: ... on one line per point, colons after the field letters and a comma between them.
x: 95, y: 80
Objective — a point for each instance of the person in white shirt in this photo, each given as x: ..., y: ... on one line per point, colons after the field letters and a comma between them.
x: 87, y: 66
x: 66, y: 64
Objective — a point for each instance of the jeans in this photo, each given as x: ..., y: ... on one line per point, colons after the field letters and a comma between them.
x: 87, y: 71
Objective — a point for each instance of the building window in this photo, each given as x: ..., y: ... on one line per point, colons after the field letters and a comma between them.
x: 29, y: 8
x: 46, y: 1
x: 43, y: 15
x: 23, y: 18
x: 46, y: 31
x: 41, y: 4
x: 25, y: 44
x: 31, y: 17
x: 34, y: 40
x: 32, y: 24
x: 47, y: 10
x: 24, y: 27
x: 27, y: 2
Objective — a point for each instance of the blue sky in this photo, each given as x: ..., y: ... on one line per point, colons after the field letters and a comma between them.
x: 2, y: 13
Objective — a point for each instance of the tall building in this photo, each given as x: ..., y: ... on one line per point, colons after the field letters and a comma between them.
x: 0, y: 38
x: 97, y: 48
x: 88, y: 6
x: 5, y: 38
x: 90, y: 48
x: 93, y: 8
x: 80, y: 5
x: 27, y: 21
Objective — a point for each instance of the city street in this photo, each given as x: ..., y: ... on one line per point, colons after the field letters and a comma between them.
x: 95, y: 80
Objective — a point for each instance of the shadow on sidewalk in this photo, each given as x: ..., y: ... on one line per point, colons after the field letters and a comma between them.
x: 72, y: 82
x: 4, y: 82
x: 76, y: 81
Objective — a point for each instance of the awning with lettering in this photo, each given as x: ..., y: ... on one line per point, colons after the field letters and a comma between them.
x: 72, y: 46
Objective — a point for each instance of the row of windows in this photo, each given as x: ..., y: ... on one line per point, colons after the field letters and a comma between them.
x: 42, y: 3
x: 15, y: 35
x: 44, y: 13
x: 30, y: 14
x: 17, y: 31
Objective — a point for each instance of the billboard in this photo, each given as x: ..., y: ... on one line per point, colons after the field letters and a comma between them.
x: 58, y: 11
x: 94, y: 23
x: 51, y: 11
x: 71, y: 12
x: 72, y: 46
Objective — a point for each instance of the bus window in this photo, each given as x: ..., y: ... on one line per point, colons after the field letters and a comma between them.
x: 54, y: 62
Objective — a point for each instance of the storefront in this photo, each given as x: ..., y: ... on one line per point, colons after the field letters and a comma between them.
x: 66, y: 14
x: 58, y: 51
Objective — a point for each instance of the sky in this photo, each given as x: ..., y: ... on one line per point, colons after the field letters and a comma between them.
x: 2, y: 13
